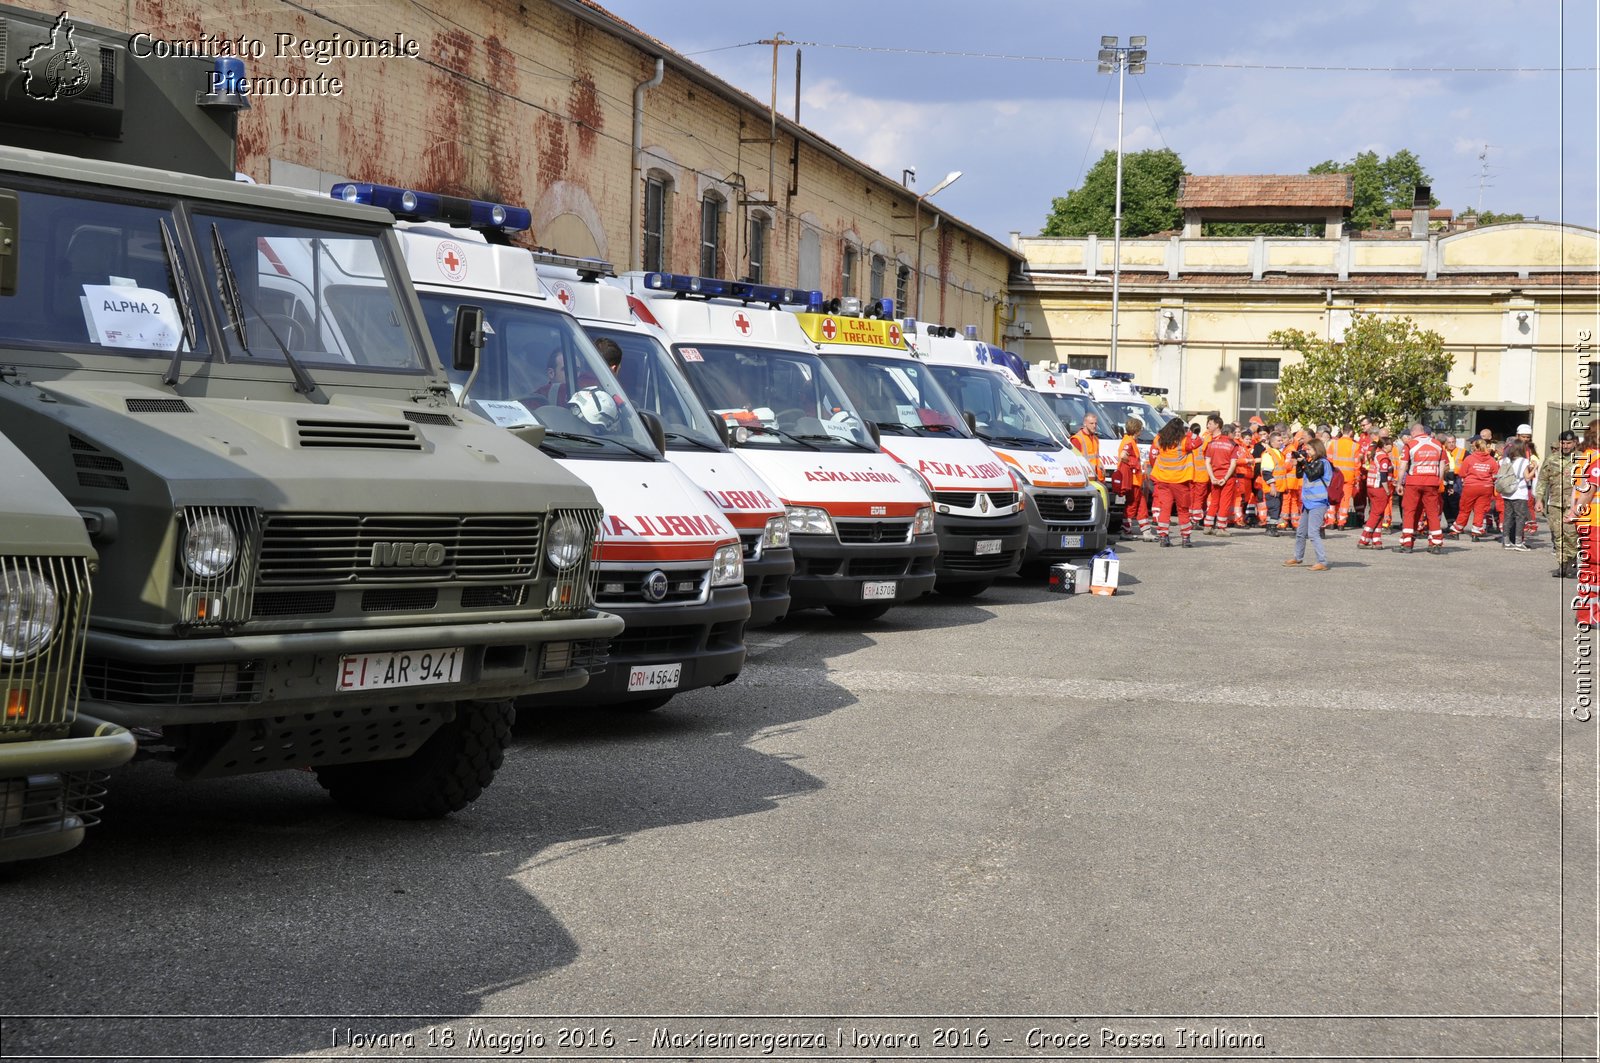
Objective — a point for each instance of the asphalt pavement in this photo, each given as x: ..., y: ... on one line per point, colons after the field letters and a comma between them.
x: 1347, y: 812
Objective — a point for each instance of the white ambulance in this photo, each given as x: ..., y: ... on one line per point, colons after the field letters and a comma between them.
x: 1066, y: 517
x: 978, y: 509
x: 666, y: 560
x: 696, y: 443
x: 860, y: 523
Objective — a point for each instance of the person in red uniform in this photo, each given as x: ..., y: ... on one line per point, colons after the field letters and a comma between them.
x: 1128, y: 481
x: 1421, y: 473
x: 1171, y: 469
x: 1222, y: 459
x: 1244, y: 477
x: 1377, y: 478
x: 1477, y: 471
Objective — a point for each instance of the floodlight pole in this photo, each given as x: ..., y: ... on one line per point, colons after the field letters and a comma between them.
x: 1113, y: 52
x: 916, y: 227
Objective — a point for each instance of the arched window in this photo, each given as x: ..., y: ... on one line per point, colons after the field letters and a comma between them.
x: 711, y: 235
x: 810, y: 262
x: 847, y: 272
x: 875, y: 281
x: 657, y: 194
x: 902, y: 291
x: 760, y: 226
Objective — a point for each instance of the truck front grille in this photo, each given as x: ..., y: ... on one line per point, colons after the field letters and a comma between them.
x: 39, y: 688
x: 336, y: 548
x: 132, y: 683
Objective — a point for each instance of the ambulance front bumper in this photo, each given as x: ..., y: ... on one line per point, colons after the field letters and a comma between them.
x: 1064, y: 524
x: 767, y: 578
x: 1002, y: 541
x: 828, y: 572
x: 704, y: 640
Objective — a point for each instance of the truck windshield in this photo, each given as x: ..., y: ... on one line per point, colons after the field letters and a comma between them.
x: 653, y: 382
x: 327, y: 295
x: 95, y: 277
x: 899, y: 394
x: 779, y: 398
x: 538, y: 367
x: 1004, y: 416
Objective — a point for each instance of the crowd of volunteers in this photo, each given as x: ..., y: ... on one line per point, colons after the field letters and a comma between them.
x: 1425, y: 483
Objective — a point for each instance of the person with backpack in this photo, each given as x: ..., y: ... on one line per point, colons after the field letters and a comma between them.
x: 1514, y: 485
x: 1316, y: 474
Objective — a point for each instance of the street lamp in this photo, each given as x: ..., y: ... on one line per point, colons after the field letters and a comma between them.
x: 1114, y: 57
x: 916, y: 226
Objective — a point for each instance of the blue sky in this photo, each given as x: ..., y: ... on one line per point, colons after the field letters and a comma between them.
x: 1022, y: 131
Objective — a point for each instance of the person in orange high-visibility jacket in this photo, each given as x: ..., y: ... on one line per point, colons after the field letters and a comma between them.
x: 1200, y: 473
x: 1343, y: 451
x: 1222, y: 459
x: 1087, y: 441
x: 1128, y: 481
x: 1584, y: 511
x: 1420, y: 475
x: 1244, y: 477
x: 1172, y: 470
x: 1268, y: 461
x: 1289, y: 485
x: 1377, y: 473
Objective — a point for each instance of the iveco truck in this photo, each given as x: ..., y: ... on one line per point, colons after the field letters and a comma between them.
x: 52, y: 760
x: 310, y: 557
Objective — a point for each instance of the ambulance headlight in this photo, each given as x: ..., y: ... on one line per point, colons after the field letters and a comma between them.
x: 777, y: 534
x: 922, y: 523
x: 209, y: 546
x: 566, y: 545
x: 809, y: 520
x: 29, y: 610
x: 727, y: 569
x: 1019, y: 479
x: 917, y: 478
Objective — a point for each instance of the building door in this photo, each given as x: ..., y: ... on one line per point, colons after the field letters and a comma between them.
x: 1502, y: 423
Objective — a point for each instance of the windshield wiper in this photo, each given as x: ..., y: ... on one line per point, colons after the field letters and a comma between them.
x: 770, y: 430
x: 842, y: 439
x: 232, y: 298
x: 895, y: 428
x: 600, y: 441
x: 1029, y: 442
x: 180, y: 284
x: 702, y: 444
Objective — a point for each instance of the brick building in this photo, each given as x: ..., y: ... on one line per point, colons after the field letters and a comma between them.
x: 534, y: 102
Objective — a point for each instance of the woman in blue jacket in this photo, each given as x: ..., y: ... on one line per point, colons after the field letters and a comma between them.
x: 1315, y: 471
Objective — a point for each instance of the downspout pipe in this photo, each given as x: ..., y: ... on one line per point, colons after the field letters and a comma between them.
x: 635, y: 250
x: 920, y: 234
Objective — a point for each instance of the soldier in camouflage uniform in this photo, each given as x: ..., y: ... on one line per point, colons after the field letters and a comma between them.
x: 1555, y: 494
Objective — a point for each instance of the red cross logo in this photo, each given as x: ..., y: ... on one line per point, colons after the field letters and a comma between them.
x: 894, y: 334
x: 564, y: 295
x: 829, y: 329
x: 1051, y: 380
x: 741, y: 323
x: 452, y: 261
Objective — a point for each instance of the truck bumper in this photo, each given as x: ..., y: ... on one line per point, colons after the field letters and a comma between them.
x: 154, y: 682
x: 959, y: 561
x: 50, y: 789
x: 706, y: 640
x: 767, y: 580
x: 828, y: 572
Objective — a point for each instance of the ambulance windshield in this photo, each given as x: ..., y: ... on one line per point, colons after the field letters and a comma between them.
x: 538, y: 367
x: 652, y: 381
x: 1070, y: 410
x: 1003, y: 415
x: 1119, y: 410
x: 774, y: 398
x: 900, y: 394
x: 1058, y: 431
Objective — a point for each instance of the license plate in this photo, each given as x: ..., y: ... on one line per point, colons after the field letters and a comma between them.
x: 407, y: 668
x: 655, y: 677
x: 873, y: 591
x: 1069, y: 541
x: 1121, y: 499
x: 987, y: 546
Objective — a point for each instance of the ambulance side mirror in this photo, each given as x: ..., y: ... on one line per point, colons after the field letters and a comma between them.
x: 875, y: 433
x: 972, y: 422
x: 724, y: 431
x: 468, y: 340
x: 656, y: 430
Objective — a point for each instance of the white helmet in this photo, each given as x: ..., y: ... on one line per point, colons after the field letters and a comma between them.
x: 594, y: 406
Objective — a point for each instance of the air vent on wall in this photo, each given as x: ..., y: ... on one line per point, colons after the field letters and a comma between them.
x: 362, y: 435
x: 159, y: 406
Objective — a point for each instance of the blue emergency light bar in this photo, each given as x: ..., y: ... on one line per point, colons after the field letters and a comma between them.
x: 588, y: 268
x: 1107, y: 374
x: 712, y: 287
x: 411, y: 205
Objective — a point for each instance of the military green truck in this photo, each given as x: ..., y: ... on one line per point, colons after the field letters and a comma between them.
x: 310, y: 556
x: 52, y: 760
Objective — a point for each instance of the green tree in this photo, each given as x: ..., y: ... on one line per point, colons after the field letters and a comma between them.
x: 1379, y: 185
x: 1149, y: 197
x: 1384, y: 368
x: 1489, y: 217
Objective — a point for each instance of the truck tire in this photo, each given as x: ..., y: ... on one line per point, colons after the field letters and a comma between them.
x: 445, y: 775
x: 962, y: 588
x: 860, y: 613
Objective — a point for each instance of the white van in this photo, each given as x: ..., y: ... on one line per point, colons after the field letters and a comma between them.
x: 1066, y: 517
x: 860, y: 523
x: 696, y: 443
x: 979, y: 515
x: 666, y: 560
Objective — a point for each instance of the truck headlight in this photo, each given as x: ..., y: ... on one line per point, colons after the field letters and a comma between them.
x: 776, y: 535
x: 922, y: 523
x: 210, y: 546
x: 809, y: 520
x: 29, y: 609
x: 727, y: 569
x: 566, y: 545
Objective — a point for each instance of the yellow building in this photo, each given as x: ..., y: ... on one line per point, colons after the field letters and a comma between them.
x: 1517, y: 305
